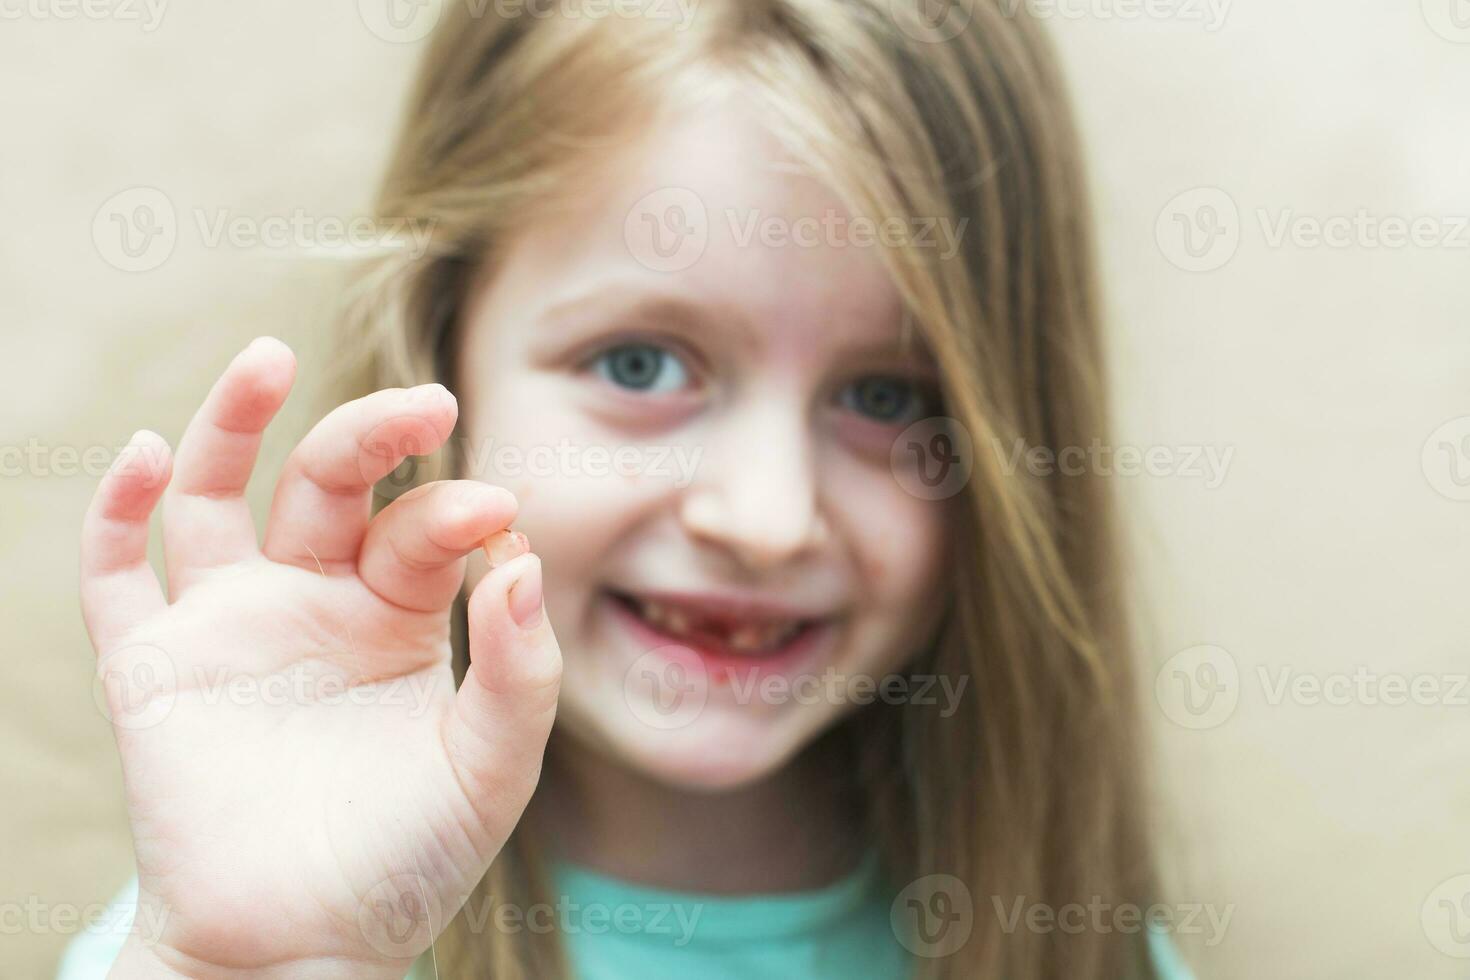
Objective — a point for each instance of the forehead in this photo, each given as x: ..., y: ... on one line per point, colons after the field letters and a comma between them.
x: 713, y: 209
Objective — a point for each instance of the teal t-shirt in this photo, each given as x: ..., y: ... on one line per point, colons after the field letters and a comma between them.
x: 615, y: 930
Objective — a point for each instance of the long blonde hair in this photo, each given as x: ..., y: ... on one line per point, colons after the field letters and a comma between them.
x: 1031, y: 791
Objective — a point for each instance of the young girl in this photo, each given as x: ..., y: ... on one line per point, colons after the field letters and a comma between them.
x: 736, y: 317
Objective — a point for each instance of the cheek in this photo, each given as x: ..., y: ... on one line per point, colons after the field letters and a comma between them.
x: 901, y: 559
x: 575, y: 504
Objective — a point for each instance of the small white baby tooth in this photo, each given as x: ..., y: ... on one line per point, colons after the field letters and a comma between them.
x: 502, y: 546
x: 746, y: 637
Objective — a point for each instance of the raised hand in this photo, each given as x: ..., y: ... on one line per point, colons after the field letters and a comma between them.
x: 309, y: 794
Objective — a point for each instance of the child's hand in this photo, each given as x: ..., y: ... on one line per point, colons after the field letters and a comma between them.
x: 309, y: 795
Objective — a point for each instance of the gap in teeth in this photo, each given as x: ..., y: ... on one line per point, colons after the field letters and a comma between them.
x: 744, y: 637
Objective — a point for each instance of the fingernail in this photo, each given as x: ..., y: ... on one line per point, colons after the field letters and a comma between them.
x: 525, y: 597
x: 502, y: 546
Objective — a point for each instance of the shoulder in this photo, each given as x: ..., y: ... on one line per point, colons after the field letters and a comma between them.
x: 91, y: 952
x: 1167, y: 963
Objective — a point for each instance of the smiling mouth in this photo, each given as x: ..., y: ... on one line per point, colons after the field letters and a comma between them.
x: 742, y: 635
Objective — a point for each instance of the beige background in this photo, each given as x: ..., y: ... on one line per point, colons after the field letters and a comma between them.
x: 1326, y: 548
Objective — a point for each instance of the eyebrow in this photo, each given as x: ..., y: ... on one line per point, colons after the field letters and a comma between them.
x: 603, y: 299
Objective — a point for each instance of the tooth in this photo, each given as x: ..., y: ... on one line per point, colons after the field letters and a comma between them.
x: 651, y: 612
x: 747, y: 637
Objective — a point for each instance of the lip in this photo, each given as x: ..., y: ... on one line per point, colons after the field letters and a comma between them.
x: 723, y: 668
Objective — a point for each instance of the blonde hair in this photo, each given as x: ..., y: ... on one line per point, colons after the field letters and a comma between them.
x: 1032, y: 790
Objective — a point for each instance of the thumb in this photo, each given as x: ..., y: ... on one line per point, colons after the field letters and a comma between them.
x: 504, y: 709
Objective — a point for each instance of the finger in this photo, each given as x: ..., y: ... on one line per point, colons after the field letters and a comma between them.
x: 413, y: 554
x: 117, y: 585
x: 324, y: 498
x: 206, y: 521
x: 503, y: 712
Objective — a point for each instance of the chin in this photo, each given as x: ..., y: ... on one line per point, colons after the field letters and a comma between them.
x: 726, y: 748
x: 716, y: 756
x: 673, y: 690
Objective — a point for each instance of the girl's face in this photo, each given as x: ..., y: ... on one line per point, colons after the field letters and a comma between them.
x: 692, y: 379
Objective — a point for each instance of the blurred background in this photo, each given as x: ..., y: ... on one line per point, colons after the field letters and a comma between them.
x: 1283, y: 199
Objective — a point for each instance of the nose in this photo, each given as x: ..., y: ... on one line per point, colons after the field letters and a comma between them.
x: 757, y: 490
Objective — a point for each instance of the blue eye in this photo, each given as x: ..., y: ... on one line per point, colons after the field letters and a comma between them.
x: 641, y: 367
x: 887, y: 400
